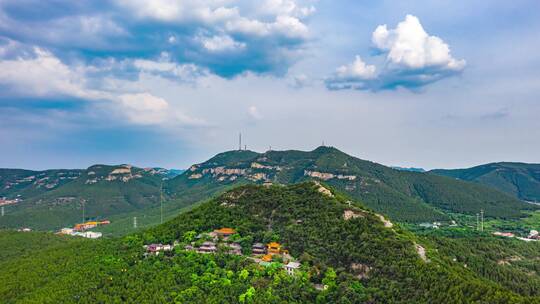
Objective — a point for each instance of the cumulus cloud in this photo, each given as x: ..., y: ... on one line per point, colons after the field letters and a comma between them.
x: 413, y: 59
x: 42, y: 75
x: 227, y: 38
x: 356, y: 75
x: 147, y: 109
x: 409, y: 46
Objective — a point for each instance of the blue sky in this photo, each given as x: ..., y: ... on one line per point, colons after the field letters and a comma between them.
x: 172, y: 82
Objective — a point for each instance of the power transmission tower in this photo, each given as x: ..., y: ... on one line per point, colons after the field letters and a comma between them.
x: 83, y: 215
x: 482, y: 220
x: 477, y: 222
x: 3, y: 211
x: 135, y: 222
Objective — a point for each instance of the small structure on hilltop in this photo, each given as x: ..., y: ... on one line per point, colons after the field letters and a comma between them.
x: 258, y: 248
x: 534, y: 235
x: 273, y: 248
x: 292, y: 267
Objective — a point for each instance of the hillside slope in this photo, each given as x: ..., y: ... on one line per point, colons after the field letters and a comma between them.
x: 404, y: 196
x: 103, y: 190
x: 356, y: 254
x: 518, y: 179
x: 20, y: 183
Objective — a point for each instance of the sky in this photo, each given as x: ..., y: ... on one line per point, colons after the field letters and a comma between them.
x: 169, y: 83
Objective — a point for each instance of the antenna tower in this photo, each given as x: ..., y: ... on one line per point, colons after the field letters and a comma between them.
x: 240, y: 141
x: 135, y: 222
x: 3, y: 213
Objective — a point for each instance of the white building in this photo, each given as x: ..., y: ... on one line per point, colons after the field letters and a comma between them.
x: 292, y: 267
x: 88, y: 234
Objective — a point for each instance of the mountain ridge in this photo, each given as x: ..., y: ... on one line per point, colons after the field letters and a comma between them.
x: 521, y: 180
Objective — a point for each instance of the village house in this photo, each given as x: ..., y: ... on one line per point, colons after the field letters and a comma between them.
x: 88, y: 234
x: 207, y: 247
x: 292, y: 267
x: 234, y: 248
x: 156, y: 248
x: 258, y: 248
x: 504, y: 234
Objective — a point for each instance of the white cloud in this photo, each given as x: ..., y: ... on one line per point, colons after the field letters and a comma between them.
x: 254, y: 113
x: 226, y: 37
x: 44, y: 75
x: 221, y: 43
x: 355, y: 75
x: 413, y: 59
x: 169, y: 69
x: 409, y: 45
x: 273, y: 17
x: 143, y: 108
x: 147, y: 109
x: 357, y: 69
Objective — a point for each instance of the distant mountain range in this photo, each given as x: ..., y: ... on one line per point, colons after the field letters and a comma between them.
x: 55, y: 198
x: 412, y: 169
x: 518, y: 179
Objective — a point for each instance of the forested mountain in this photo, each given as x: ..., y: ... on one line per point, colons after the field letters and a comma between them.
x: 402, y: 195
x: 27, y: 183
x: 348, y: 254
x: 54, y: 198
x: 518, y: 179
x: 52, y: 201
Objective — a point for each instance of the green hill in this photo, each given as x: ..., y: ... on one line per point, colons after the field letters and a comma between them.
x: 27, y: 183
x: 104, y: 191
x: 356, y: 254
x: 402, y: 195
x: 518, y: 179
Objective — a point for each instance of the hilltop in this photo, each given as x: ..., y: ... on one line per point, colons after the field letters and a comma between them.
x: 347, y: 254
x: 518, y: 179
